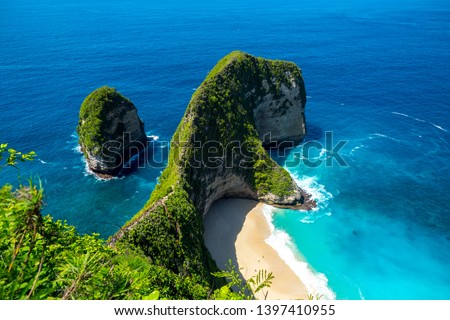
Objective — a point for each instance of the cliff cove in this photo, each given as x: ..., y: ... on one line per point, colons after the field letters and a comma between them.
x: 242, y: 100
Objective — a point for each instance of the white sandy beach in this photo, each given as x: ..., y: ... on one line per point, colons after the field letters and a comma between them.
x: 236, y: 229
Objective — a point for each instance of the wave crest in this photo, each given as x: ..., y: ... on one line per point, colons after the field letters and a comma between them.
x: 315, y: 282
x: 315, y: 189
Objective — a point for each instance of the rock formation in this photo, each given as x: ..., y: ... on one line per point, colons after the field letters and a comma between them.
x: 279, y: 109
x: 110, y: 131
x: 250, y: 102
x: 218, y: 151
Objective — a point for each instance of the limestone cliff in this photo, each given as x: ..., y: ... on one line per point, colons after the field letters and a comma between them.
x: 218, y: 151
x: 279, y: 108
x: 110, y: 131
x: 245, y: 103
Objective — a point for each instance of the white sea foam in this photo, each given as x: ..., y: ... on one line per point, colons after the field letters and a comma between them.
x: 89, y: 172
x: 421, y: 120
x: 361, y: 294
x: 315, y: 189
x: 379, y: 135
x: 356, y: 148
x: 438, y: 127
x: 307, y: 219
x: 322, y: 152
x: 316, y: 283
x: 322, y: 155
x: 153, y: 137
x: 42, y: 161
x: 319, y: 194
x: 408, y: 116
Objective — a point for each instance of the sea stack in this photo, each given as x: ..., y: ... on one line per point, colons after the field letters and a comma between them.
x: 110, y: 131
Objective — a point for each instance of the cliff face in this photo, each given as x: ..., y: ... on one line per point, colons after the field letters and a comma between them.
x: 110, y: 131
x: 244, y: 104
x: 281, y: 110
x: 218, y: 151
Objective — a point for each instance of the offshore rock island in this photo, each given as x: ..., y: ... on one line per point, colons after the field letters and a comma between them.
x: 241, y: 101
x: 110, y: 131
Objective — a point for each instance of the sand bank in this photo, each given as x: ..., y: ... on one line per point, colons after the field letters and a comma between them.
x: 236, y: 229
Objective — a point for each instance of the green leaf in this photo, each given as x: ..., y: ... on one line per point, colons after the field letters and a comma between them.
x: 152, y: 296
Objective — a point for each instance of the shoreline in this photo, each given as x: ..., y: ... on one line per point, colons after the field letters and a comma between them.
x: 238, y: 229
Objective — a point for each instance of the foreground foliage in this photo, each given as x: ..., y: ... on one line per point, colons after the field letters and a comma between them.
x: 45, y: 259
x: 238, y: 289
x: 42, y: 258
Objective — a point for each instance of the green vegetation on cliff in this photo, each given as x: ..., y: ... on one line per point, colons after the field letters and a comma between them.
x: 110, y: 131
x: 169, y: 229
x: 46, y: 259
x: 222, y: 111
x: 223, y: 102
x: 93, y: 119
x: 43, y: 259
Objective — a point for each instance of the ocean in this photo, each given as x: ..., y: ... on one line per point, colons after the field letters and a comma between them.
x: 377, y: 77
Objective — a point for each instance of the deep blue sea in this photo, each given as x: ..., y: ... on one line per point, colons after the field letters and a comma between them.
x: 377, y: 75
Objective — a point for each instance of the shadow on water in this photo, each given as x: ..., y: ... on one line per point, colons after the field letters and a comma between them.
x: 281, y: 156
x: 314, y: 133
x: 155, y: 155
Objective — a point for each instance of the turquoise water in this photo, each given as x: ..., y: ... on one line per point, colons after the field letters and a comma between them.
x: 376, y: 76
x: 382, y: 227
